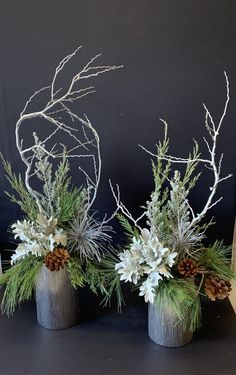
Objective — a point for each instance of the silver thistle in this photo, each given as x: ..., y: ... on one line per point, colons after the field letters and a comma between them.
x: 87, y: 236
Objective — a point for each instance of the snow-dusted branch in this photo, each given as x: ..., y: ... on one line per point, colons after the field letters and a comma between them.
x: 81, y: 132
x: 123, y: 209
x: 211, y: 163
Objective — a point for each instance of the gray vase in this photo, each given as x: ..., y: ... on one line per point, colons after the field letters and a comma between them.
x: 56, y: 299
x: 163, y: 327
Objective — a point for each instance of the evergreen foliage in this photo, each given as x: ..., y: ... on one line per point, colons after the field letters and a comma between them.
x: 76, y: 272
x: 101, y: 277
x: 168, y: 211
x: 216, y: 259
x: 19, y: 281
x: 181, y: 296
x: 130, y: 230
x: 113, y: 283
x: 24, y: 199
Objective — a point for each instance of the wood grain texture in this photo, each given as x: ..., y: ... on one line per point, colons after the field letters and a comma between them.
x: 163, y: 329
x: 56, y: 300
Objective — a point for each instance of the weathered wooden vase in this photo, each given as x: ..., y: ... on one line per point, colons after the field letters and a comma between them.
x: 56, y: 299
x: 163, y: 327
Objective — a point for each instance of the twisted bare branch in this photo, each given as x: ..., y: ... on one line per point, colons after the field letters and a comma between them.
x: 82, y: 133
x: 212, y: 163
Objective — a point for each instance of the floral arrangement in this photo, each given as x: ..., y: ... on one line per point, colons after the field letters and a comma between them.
x: 168, y: 260
x: 59, y: 228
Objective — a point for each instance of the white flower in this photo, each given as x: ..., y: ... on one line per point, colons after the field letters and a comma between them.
x: 20, y: 229
x: 36, y: 248
x: 48, y: 225
x: 128, y: 268
x: 154, y: 278
x: 171, y: 259
x: 59, y: 237
x: 21, y: 252
x: 147, y: 290
x: 145, y: 234
x: 136, y: 249
x: 146, y: 257
x: 154, y: 266
x: 163, y: 250
x: 37, y: 237
x: 163, y: 271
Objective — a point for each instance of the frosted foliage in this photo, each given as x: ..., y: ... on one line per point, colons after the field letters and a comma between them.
x: 37, y: 237
x: 146, y: 258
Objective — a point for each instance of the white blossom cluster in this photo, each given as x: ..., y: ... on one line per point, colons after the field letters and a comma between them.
x: 148, y: 258
x: 37, y: 237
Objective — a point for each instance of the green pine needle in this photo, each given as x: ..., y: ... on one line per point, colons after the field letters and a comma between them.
x: 70, y: 202
x: 76, y: 272
x: 129, y: 229
x: 181, y: 296
x: 216, y: 259
x: 19, y: 281
x: 113, y: 283
x: 25, y: 200
x: 102, y: 277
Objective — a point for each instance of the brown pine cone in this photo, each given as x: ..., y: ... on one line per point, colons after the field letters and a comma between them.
x: 187, y: 267
x: 217, y: 288
x: 57, y: 258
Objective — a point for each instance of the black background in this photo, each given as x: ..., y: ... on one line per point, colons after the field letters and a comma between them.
x: 174, y: 53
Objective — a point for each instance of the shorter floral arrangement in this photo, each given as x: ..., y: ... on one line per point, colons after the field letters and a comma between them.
x: 168, y: 260
x: 59, y: 228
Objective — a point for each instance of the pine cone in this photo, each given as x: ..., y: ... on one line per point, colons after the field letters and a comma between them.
x: 187, y: 267
x: 217, y: 288
x: 57, y: 258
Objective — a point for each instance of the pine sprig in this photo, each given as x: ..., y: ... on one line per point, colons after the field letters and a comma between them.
x: 69, y: 203
x: 95, y: 278
x: 216, y: 259
x: 68, y: 200
x: 25, y: 200
x: 181, y: 296
x: 191, y: 166
x: 62, y: 179
x: 113, y: 283
x: 101, y: 277
x: 19, y: 281
x: 129, y: 229
x: 76, y: 272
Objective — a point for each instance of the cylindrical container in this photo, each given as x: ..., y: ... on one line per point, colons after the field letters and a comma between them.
x: 163, y: 327
x: 56, y: 299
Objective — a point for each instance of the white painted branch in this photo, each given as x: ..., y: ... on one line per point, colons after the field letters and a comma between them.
x: 210, y: 163
x: 48, y: 113
x: 122, y: 208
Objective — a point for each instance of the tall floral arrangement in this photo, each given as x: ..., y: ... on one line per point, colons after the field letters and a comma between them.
x: 167, y: 259
x: 59, y: 228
